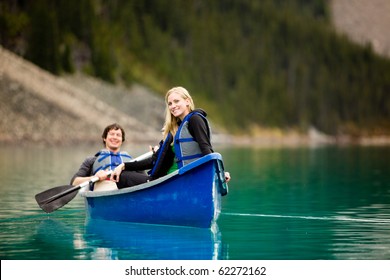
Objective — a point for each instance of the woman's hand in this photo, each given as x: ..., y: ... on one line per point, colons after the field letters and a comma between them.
x: 117, y: 172
x: 227, y: 176
x: 154, y: 149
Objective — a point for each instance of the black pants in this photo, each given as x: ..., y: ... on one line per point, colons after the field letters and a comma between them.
x: 132, y: 178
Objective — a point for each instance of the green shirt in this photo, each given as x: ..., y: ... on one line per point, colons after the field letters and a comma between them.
x: 174, y: 166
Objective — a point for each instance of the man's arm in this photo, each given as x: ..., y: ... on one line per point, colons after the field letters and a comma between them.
x: 84, y: 173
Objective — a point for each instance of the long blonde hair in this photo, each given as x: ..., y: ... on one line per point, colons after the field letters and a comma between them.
x: 171, y: 121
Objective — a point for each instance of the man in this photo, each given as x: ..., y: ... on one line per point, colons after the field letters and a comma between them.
x: 107, y: 159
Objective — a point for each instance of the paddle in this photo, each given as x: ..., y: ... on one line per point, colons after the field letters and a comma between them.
x: 54, y: 198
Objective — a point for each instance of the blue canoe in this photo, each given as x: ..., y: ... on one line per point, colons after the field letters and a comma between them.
x: 190, y: 196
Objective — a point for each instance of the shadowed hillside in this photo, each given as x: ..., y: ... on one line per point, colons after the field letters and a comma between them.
x: 37, y: 106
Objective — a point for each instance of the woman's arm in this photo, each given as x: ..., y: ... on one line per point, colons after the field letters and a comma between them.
x: 132, y: 166
x: 138, y: 165
x: 198, y: 129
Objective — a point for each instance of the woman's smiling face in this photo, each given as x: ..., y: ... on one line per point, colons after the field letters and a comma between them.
x: 178, y: 106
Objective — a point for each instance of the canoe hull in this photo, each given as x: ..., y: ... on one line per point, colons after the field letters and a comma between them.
x: 190, y: 197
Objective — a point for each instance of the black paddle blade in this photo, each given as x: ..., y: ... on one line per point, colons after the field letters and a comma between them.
x: 54, y: 198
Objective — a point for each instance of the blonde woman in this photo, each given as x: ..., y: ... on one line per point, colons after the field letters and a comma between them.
x: 186, y: 133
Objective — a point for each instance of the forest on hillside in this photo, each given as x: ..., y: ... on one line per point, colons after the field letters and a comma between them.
x: 249, y: 63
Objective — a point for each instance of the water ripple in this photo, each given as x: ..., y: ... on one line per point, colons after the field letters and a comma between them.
x: 335, y: 218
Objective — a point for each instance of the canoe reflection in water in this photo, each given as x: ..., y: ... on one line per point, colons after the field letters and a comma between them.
x: 122, y: 240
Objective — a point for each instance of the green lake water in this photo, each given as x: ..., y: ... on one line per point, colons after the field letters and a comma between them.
x: 310, y: 203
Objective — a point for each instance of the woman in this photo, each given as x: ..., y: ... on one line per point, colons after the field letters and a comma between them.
x: 187, y: 137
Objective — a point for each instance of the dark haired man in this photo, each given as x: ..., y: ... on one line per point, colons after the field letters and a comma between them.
x: 106, y: 159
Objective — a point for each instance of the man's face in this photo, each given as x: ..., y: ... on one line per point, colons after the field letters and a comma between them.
x: 114, y: 140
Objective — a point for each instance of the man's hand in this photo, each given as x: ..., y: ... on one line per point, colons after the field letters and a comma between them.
x: 102, y: 175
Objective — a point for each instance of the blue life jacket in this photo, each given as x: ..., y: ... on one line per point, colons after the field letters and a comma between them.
x: 187, y: 149
x: 107, y: 160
